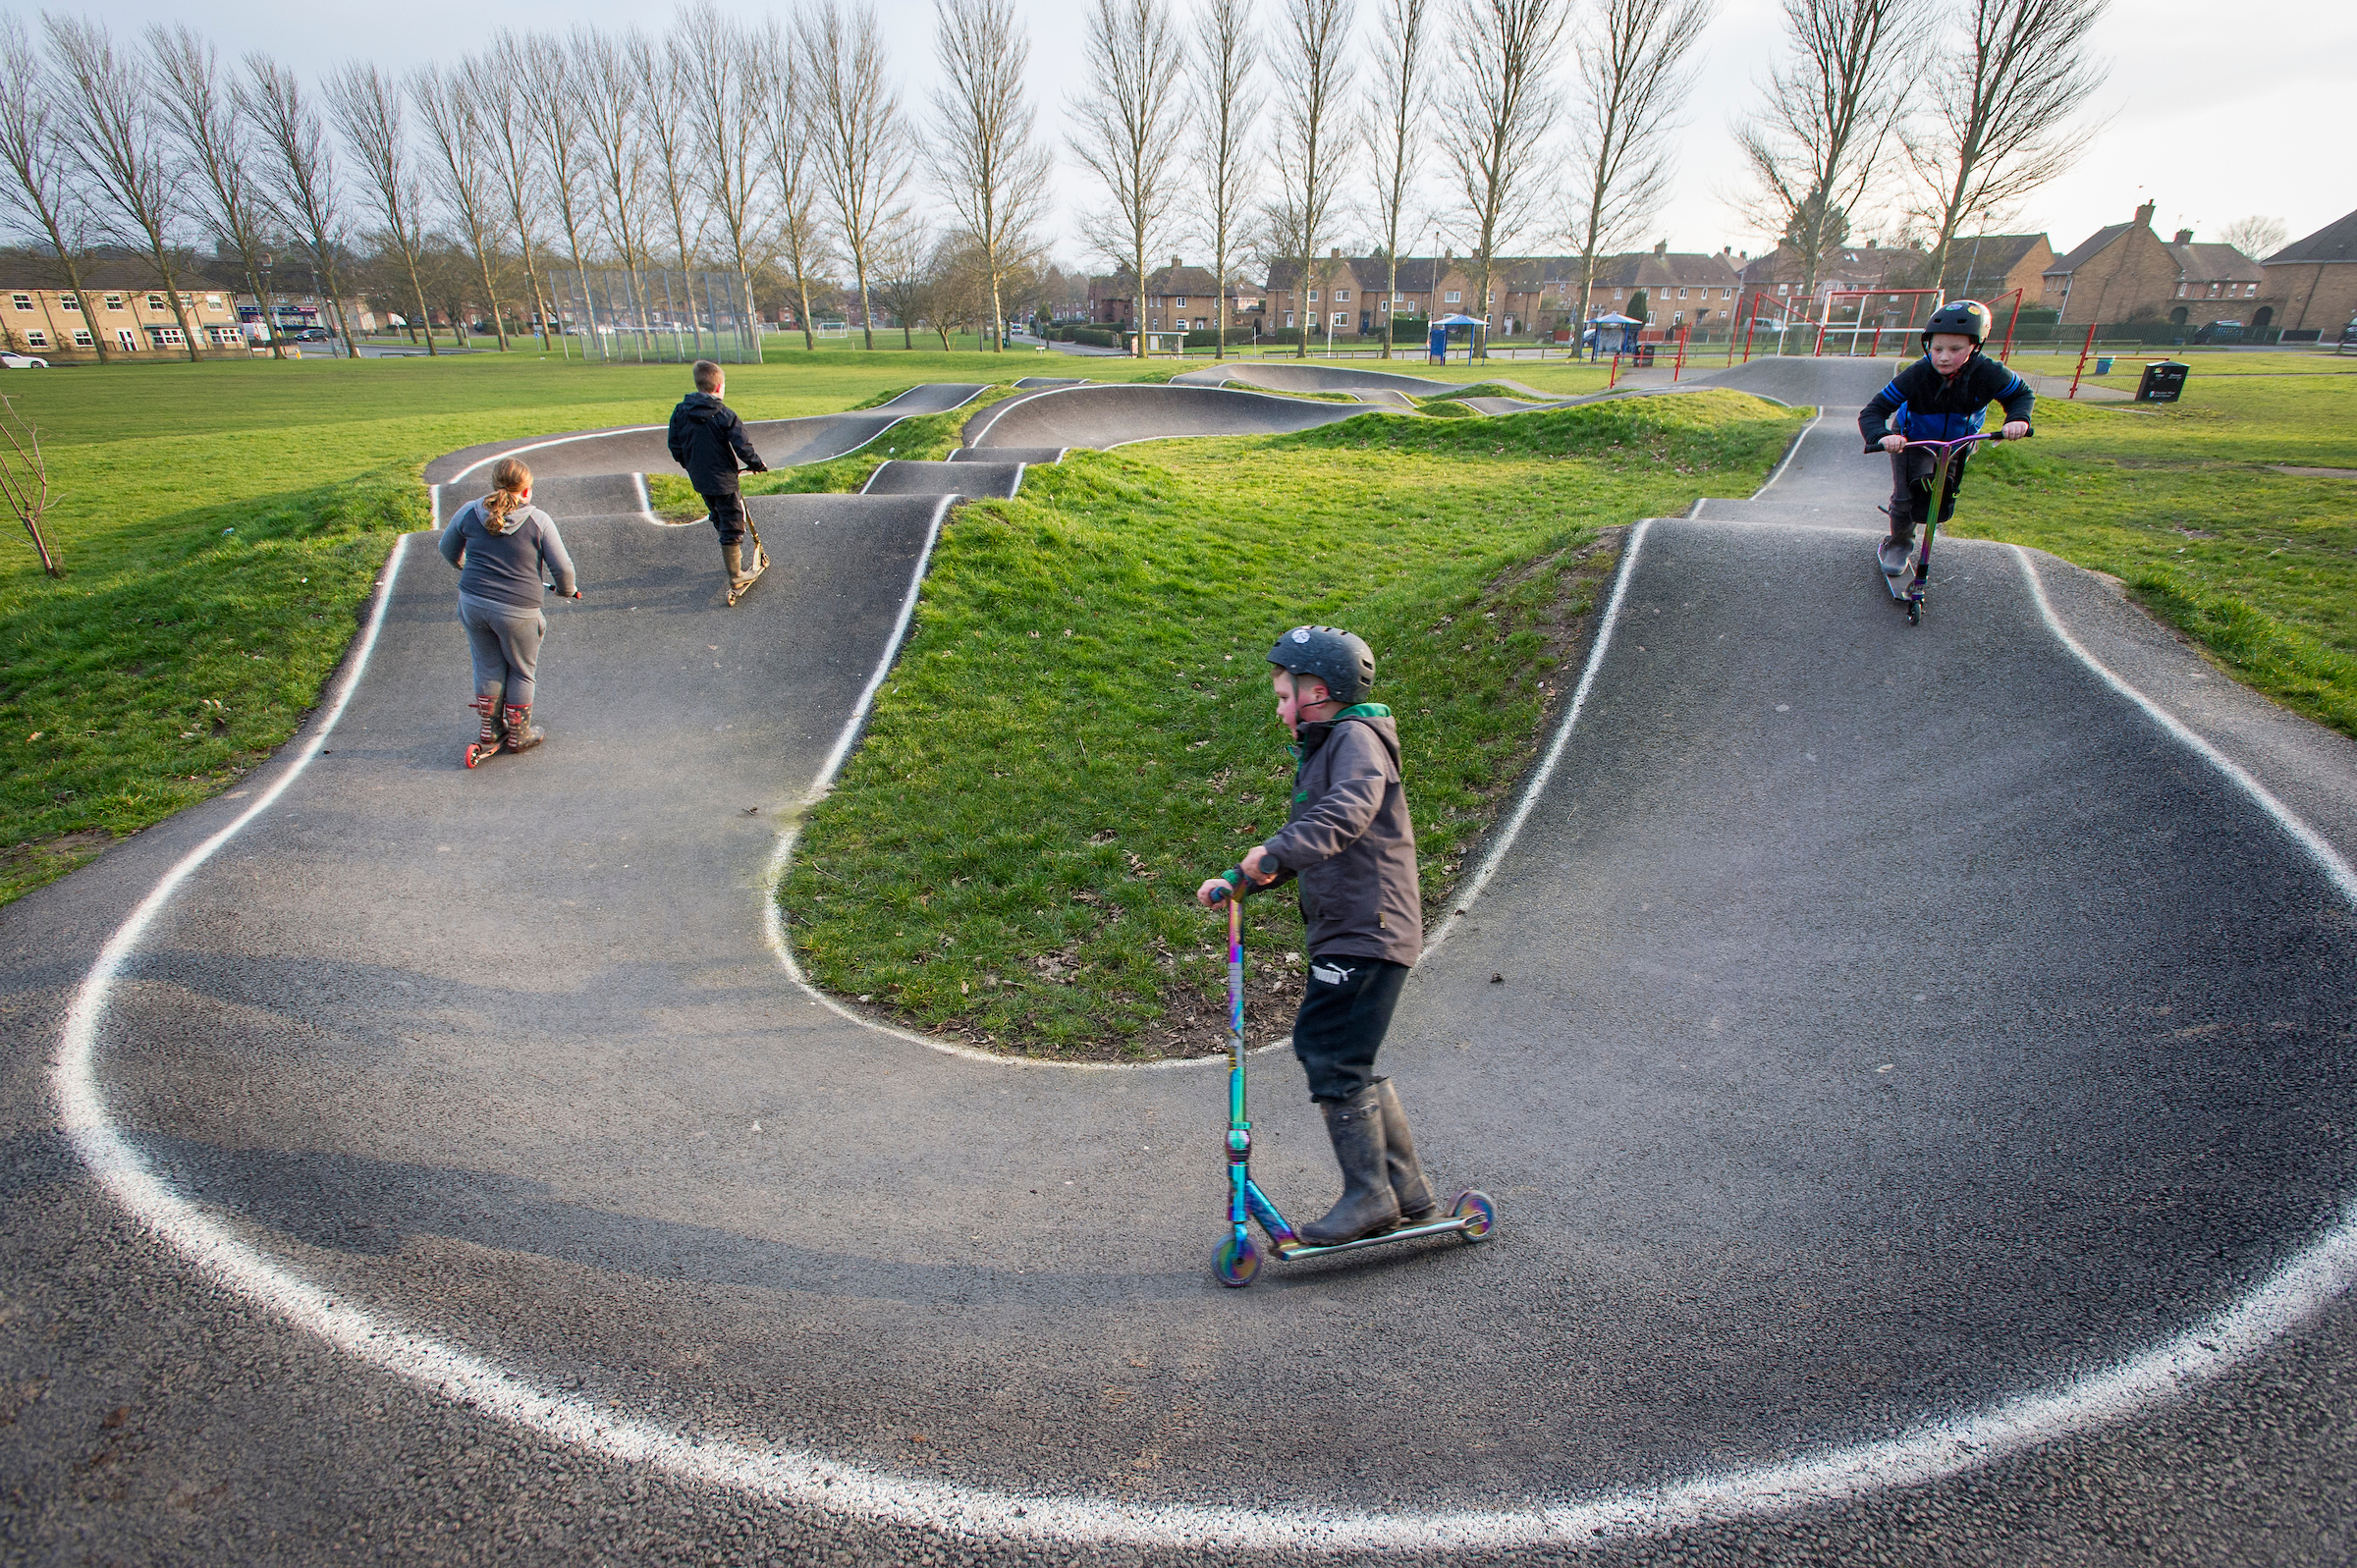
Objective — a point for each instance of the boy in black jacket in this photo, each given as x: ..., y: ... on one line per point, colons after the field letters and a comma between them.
x: 1350, y: 844
x: 708, y: 439
x: 1938, y: 398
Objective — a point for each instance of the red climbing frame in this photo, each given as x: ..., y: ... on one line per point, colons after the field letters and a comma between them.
x: 1825, y: 321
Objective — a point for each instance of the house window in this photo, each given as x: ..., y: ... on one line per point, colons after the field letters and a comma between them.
x: 126, y: 340
x: 1342, y: 318
x: 188, y: 298
x: 155, y: 301
x: 22, y: 301
x: 226, y: 337
x: 82, y: 338
x: 1341, y: 296
x: 1180, y: 302
x: 1783, y: 288
x: 1681, y: 294
x: 71, y: 301
x: 1313, y: 296
x: 212, y: 301
x: 113, y: 301
x: 166, y: 337
x: 1453, y: 296
x: 35, y: 338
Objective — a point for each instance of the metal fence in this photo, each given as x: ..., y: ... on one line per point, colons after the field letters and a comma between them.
x: 659, y: 315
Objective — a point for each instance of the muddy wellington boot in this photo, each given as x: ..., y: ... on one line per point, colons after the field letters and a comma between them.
x: 739, y: 577
x: 1895, y: 551
x: 1416, y: 1202
x: 487, y: 744
x: 521, y: 735
x: 1367, y: 1206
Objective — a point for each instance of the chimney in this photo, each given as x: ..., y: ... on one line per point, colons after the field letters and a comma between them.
x: 1335, y: 253
x: 2144, y: 216
x: 1661, y: 247
x: 2184, y: 237
x: 1175, y: 263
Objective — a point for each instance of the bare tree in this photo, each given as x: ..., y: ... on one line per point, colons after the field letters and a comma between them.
x: 120, y: 141
x: 855, y: 118
x: 454, y: 127
x: 994, y: 177
x: 42, y: 162
x: 25, y: 475
x: 796, y: 169
x: 1629, y: 59
x: 2256, y: 236
x: 559, y: 125
x: 1228, y: 107
x: 670, y: 75
x: 732, y: 94
x: 216, y: 143
x: 1313, y: 74
x: 303, y: 174
x: 1130, y: 124
x: 1501, y: 105
x: 605, y: 72
x: 366, y: 106
x: 1394, y: 133
x: 1816, y: 148
x: 1997, y: 128
x: 905, y: 280
x: 494, y: 83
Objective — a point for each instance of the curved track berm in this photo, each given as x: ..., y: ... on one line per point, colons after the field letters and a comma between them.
x: 1891, y: 1021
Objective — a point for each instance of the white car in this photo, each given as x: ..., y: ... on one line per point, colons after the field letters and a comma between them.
x: 20, y: 361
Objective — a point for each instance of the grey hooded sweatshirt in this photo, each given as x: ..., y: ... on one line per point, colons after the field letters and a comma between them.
x: 1350, y: 841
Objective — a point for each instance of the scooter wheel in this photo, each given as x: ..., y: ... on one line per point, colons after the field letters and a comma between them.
x: 477, y: 753
x: 1238, y: 1262
x: 1479, y: 1215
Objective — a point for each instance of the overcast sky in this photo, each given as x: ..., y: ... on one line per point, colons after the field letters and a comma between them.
x: 2211, y: 111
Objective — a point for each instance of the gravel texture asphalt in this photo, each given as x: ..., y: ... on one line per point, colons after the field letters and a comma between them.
x: 1869, y: 1023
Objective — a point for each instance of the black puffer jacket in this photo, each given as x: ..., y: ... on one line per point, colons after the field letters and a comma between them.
x: 708, y: 439
x: 1350, y: 841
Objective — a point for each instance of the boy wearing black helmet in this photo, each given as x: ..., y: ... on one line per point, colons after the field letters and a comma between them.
x: 1350, y: 846
x: 1938, y: 398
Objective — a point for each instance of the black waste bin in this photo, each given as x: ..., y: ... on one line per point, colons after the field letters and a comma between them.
x: 2164, y: 380
x: 1645, y: 356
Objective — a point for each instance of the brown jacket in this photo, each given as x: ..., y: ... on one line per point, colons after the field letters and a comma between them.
x: 1350, y: 840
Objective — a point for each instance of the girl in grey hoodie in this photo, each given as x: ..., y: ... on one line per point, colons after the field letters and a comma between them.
x: 500, y: 543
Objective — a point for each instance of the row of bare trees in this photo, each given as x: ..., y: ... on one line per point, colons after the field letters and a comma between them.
x: 783, y: 149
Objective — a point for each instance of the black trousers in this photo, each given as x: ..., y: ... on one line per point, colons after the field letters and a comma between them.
x: 1345, y: 1010
x: 728, y: 515
x: 1911, y: 489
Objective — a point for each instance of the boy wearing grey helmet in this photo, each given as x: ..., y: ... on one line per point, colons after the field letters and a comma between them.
x: 1349, y: 845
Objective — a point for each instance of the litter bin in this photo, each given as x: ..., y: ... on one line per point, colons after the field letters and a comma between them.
x: 1645, y: 356
x: 2103, y: 364
x: 2164, y: 380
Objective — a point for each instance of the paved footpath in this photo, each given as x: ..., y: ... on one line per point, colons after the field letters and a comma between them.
x: 1918, y: 1094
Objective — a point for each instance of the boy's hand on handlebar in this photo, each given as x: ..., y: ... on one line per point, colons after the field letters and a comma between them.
x: 2015, y: 429
x: 1894, y: 443
x: 1213, y: 890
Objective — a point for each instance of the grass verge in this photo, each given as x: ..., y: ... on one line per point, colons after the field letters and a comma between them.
x: 1080, y: 727
x: 2180, y: 502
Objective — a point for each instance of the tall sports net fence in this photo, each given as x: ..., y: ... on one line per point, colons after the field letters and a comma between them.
x: 658, y: 315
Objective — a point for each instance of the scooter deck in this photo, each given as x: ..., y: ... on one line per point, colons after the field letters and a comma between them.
x: 760, y: 566
x: 1446, y: 1225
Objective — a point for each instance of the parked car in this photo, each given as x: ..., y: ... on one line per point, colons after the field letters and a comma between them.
x: 2219, y: 332
x: 309, y: 335
x: 21, y: 362
x: 2348, y: 336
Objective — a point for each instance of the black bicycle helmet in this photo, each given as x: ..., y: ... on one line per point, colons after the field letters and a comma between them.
x: 1343, y: 661
x: 1968, y: 317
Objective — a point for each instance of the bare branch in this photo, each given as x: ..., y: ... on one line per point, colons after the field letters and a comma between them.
x: 1394, y: 133
x: 302, y: 172
x: 994, y: 175
x: 1313, y: 74
x: 1228, y: 107
x: 1131, y: 120
x: 367, y: 110
x: 1630, y: 57
x: 1503, y: 103
x: 2256, y: 236
x: 455, y: 132
x: 796, y: 168
x: 494, y: 83
x: 42, y: 162
x: 855, y: 117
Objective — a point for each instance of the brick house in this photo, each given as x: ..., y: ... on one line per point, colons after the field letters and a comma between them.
x: 1988, y: 267
x: 122, y: 299
x: 1778, y: 283
x: 2310, y: 286
x: 1178, y: 299
x: 2125, y: 272
x: 1526, y: 292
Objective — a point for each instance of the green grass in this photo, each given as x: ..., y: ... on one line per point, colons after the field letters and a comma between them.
x: 1080, y: 727
x: 2178, y: 502
x: 220, y: 526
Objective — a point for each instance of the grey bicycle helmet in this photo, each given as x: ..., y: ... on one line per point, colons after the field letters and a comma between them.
x: 1343, y: 661
x: 1967, y: 317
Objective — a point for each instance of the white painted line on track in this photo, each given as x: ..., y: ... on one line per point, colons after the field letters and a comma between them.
x: 2329, y: 861
x: 1922, y: 1454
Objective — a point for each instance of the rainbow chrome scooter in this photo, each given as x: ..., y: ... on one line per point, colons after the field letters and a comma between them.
x: 1238, y: 1262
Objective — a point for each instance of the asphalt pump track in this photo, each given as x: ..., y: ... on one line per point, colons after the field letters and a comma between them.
x: 1912, y: 1063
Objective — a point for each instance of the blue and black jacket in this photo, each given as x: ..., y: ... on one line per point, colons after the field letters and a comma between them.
x: 1922, y: 405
